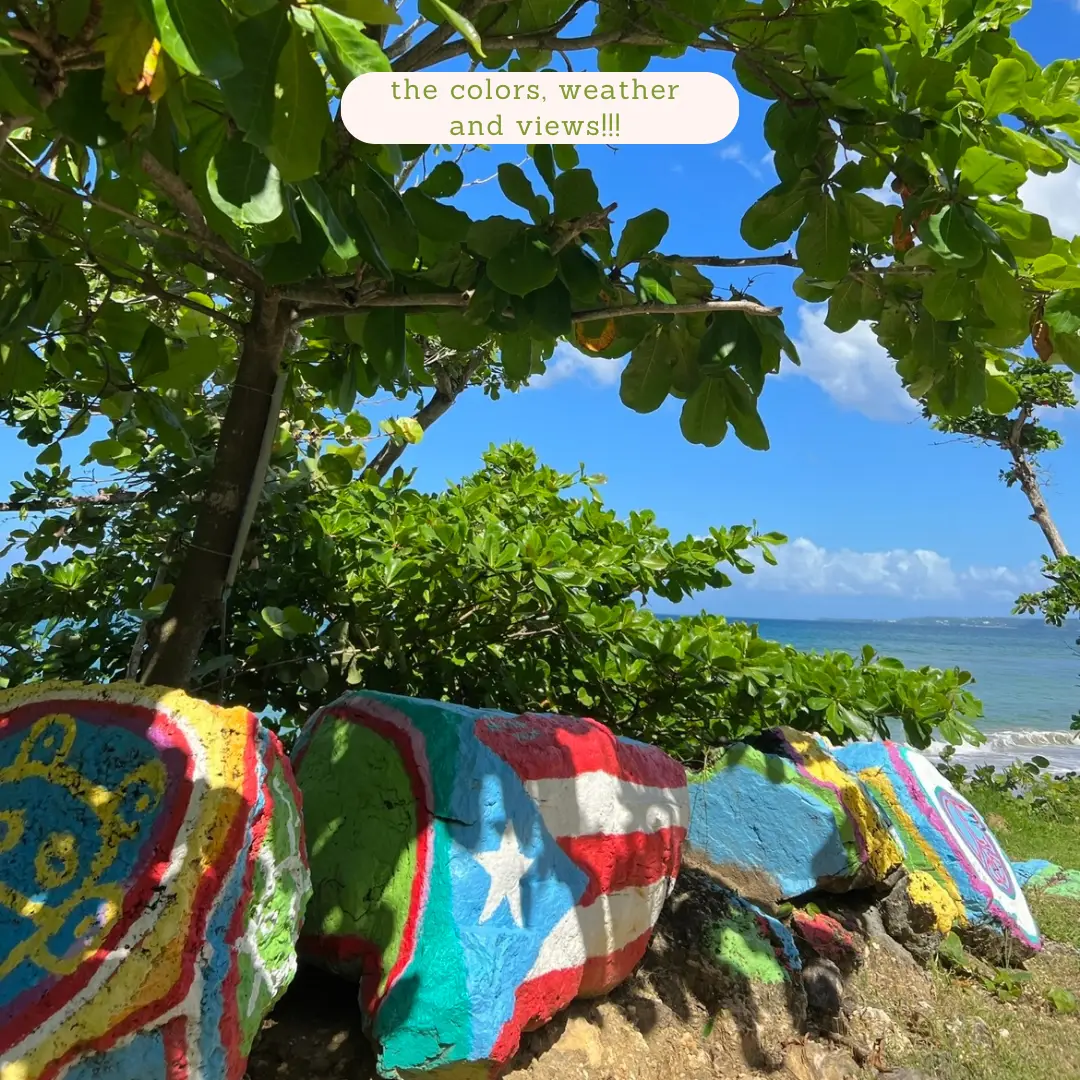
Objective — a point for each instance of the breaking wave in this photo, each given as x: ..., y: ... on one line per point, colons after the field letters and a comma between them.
x: 1003, y: 748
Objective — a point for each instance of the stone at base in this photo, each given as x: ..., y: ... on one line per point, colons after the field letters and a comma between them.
x: 152, y: 883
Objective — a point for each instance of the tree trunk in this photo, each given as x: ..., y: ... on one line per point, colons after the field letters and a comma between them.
x: 1029, y: 483
x: 196, y: 600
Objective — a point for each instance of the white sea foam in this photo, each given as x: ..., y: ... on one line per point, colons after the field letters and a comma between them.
x: 1003, y: 748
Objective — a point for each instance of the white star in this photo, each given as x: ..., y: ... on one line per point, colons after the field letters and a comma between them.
x: 506, y: 865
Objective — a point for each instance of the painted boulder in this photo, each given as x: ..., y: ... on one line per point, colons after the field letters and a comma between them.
x: 152, y: 883
x: 477, y: 870
x: 956, y: 865
x: 1042, y: 876
x: 783, y: 817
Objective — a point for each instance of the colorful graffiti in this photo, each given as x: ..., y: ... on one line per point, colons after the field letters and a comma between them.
x: 786, y: 808
x: 152, y: 883
x: 476, y: 870
x: 1039, y: 875
x: 945, y: 838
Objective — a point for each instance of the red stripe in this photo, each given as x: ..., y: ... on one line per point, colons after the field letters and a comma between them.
x: 559, y: 747
x: 174, y: 1038
x: 538, y: 1000
x: 624, y: 861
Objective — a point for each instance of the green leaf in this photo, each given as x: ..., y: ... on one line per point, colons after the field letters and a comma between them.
x: 948, y: 295
x: 869, y: 220
x: 335, y: 470
x: 703, y: 419
x: 1026, y: 235
x: 348, y: 51
x: 544, y: 159
x: 836, y: 38
x: 743, y: 413
x: 575, y: 194
x: 1063, y: 1001
x: 300, y: 112
x: 151, y: 357
x: 646, y: 380
x: 384, y: 342
x: 82, y: 113
x: 1002, y: 295
x: 948, y: 234
x: 321, y: 209
x: 1001, y: 396
x: 774, y: 217
x: 824, y: 244
x: 249, y: 94
x: 1062, y: 312
x: 434, y: 219
x: 443, y: 181
x: 1005, y: 87
x: 191, y: 366
x: 243, y: 184
x: 275, y: 620
x: 375, y: 12
x: 516, y: 186
x: 990, y: 174
x: 51, y: 455
x: 523, y: 265
x: 198, y: 35
x: 488, y: 236
x: 641, y: 235
x: 461, y: 25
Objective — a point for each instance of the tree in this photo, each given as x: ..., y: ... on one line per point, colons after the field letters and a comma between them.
x: 185, y: 219
x: 516, y: 588
x: 1027, y: 386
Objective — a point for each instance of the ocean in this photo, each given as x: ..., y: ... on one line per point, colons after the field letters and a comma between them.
x: 1026, y: 673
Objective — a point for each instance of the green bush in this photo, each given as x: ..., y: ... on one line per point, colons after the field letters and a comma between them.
x: 515, y: 589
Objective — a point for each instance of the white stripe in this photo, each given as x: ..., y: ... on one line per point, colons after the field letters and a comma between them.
x: 609, y: 923
x: 598, y: 802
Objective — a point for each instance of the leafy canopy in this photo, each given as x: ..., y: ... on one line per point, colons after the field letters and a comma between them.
x: 184, y: 222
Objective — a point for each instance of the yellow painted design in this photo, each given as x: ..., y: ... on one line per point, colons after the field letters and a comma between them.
x: 219, y: 738
x: 926, y: 892
x: 882, y: 851
x: 938, y: 874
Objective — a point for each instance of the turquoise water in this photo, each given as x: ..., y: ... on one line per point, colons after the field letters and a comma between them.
x: 1027, y: 674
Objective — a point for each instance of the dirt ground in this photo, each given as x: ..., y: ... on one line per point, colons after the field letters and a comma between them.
x: 683, y: 1017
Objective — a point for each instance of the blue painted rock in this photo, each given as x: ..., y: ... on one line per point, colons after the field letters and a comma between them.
x: 475, y: 871
x: 1040, y: 875
x: 786, y: 818
x: 152, y: 882
x: 956, y: 864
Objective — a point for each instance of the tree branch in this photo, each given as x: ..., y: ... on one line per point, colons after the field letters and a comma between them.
x: 423, y: 53
x: 787, y: 259
x: 547, y: 40
x: 183, y: 198
x: 9, y: 126
x: 45, y: 506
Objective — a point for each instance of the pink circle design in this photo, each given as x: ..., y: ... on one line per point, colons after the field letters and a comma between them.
x: 978, y: 840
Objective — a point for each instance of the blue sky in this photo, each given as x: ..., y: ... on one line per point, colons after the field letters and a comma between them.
x: 886, y: 518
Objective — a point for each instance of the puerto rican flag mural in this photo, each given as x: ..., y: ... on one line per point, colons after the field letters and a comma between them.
x: 552, y: 846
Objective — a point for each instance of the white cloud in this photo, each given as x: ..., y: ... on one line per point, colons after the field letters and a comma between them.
x: 570, y: 363
x: 1056, y: 196
x: 734, y: 152
x: 806, y: 569
x: 852, y: 368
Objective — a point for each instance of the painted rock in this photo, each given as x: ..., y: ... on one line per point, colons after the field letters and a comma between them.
x: 1039, y: 875
x: 152, y: 883
x: 477, y: 870
x: 947, y: 843
x: 784, y: 817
